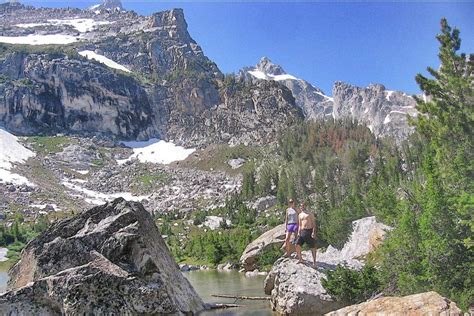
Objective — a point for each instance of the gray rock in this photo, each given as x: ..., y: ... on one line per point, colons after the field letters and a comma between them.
x: 428, y: 303
x: 226, y: 266
x: 264, y: 203
x: 296, y: 289
x: 110, y: 259
x: 236, y: 163
x: 175, y: 91
x: 248, y: 260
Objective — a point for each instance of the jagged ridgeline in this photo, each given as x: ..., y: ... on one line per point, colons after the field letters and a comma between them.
x: 108, y: 71
x: 129, y: 76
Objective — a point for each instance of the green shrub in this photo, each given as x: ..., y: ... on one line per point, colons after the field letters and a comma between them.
x: 268, y: 257
x: 352, y: 286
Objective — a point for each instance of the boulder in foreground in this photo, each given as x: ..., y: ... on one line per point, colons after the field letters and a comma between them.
x: 110, y: 259
x: 429, y: 303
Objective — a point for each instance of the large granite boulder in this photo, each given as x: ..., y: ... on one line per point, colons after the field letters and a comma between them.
x: 296, y: 288
x: 429, y: 303
x: 110, y: 259
x: 248, y: 260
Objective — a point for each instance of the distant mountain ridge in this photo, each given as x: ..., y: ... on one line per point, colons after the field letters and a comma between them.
x: 383, y: 111
x: 128, y: 76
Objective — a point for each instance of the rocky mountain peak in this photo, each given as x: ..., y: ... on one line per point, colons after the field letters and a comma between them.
x: 173, y: 17
x: 268, y: 67
x: 109, y: 5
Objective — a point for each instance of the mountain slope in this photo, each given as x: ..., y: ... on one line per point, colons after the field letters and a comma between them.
x: 126, y: 76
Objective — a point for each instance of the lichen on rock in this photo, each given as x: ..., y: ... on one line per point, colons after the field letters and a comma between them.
x: 110, y: 259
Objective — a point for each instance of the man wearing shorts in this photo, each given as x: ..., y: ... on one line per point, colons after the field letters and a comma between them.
x: 291, y: 225
x: 306, y: 233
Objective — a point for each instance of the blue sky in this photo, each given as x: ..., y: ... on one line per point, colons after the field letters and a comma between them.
x: 322, y: 42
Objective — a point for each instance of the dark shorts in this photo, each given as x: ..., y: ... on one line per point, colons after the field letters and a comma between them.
x: 292, y: 228
x: 305, y: 237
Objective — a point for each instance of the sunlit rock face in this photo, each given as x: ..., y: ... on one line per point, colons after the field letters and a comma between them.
x: 109, y: 259
x: 429, y: 303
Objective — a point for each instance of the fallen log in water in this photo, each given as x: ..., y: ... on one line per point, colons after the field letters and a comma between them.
x: 254, y: 298
x: 223, y: 306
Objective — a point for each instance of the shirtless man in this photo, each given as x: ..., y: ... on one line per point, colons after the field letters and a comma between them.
x: 306, y: 233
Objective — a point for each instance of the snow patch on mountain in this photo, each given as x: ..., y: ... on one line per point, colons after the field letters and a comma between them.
x: 12, y: 152
x: 81, y: 25
x: 103, y: 60
x: 36, y: 39
x: 98, y: 198
x: 264, y: 76
x: 157, y: 151
x: 388, y: 94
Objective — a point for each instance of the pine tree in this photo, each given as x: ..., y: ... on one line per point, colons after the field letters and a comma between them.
x: 431, y: 249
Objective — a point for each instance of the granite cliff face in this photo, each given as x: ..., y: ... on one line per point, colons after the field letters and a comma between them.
x: 110, y: 259
x: 52, y: 95
x: 383, y: 111
x: 129, y: 77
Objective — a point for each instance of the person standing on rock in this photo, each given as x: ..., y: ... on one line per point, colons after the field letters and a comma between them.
x: 291, y: 225
x: 306, y: 233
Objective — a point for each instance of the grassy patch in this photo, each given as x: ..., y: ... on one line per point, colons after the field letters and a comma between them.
x: 147, y: 182
x: 6, y: 265
x: 50, y: 144
x: 14, y: 251
x: 217, y: 157
x: 151, y: 179
x: 98, y: 163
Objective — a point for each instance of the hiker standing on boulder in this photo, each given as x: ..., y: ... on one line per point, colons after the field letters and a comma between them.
x: 291, y: 225
x: 306, y: 233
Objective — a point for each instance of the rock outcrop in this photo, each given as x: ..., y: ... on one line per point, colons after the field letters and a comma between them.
x: 312, y: 101
x: 110, y: 259
x: 44, y: 95
x: 383, y: 111
x: 429, y: 303
x: 296, y: 288
x: 248, y: 260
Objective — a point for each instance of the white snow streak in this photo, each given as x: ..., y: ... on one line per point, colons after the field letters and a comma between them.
x: 388, y: 119
x: 263, y: 76
x: 103, y: 60
x: 97, y: 198
x: 388, y: 93
x: 36, y: 39
x: 81, y: 25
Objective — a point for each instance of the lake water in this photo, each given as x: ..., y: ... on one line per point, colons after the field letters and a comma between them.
x: 3, y: 281
x: 211, y: 282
